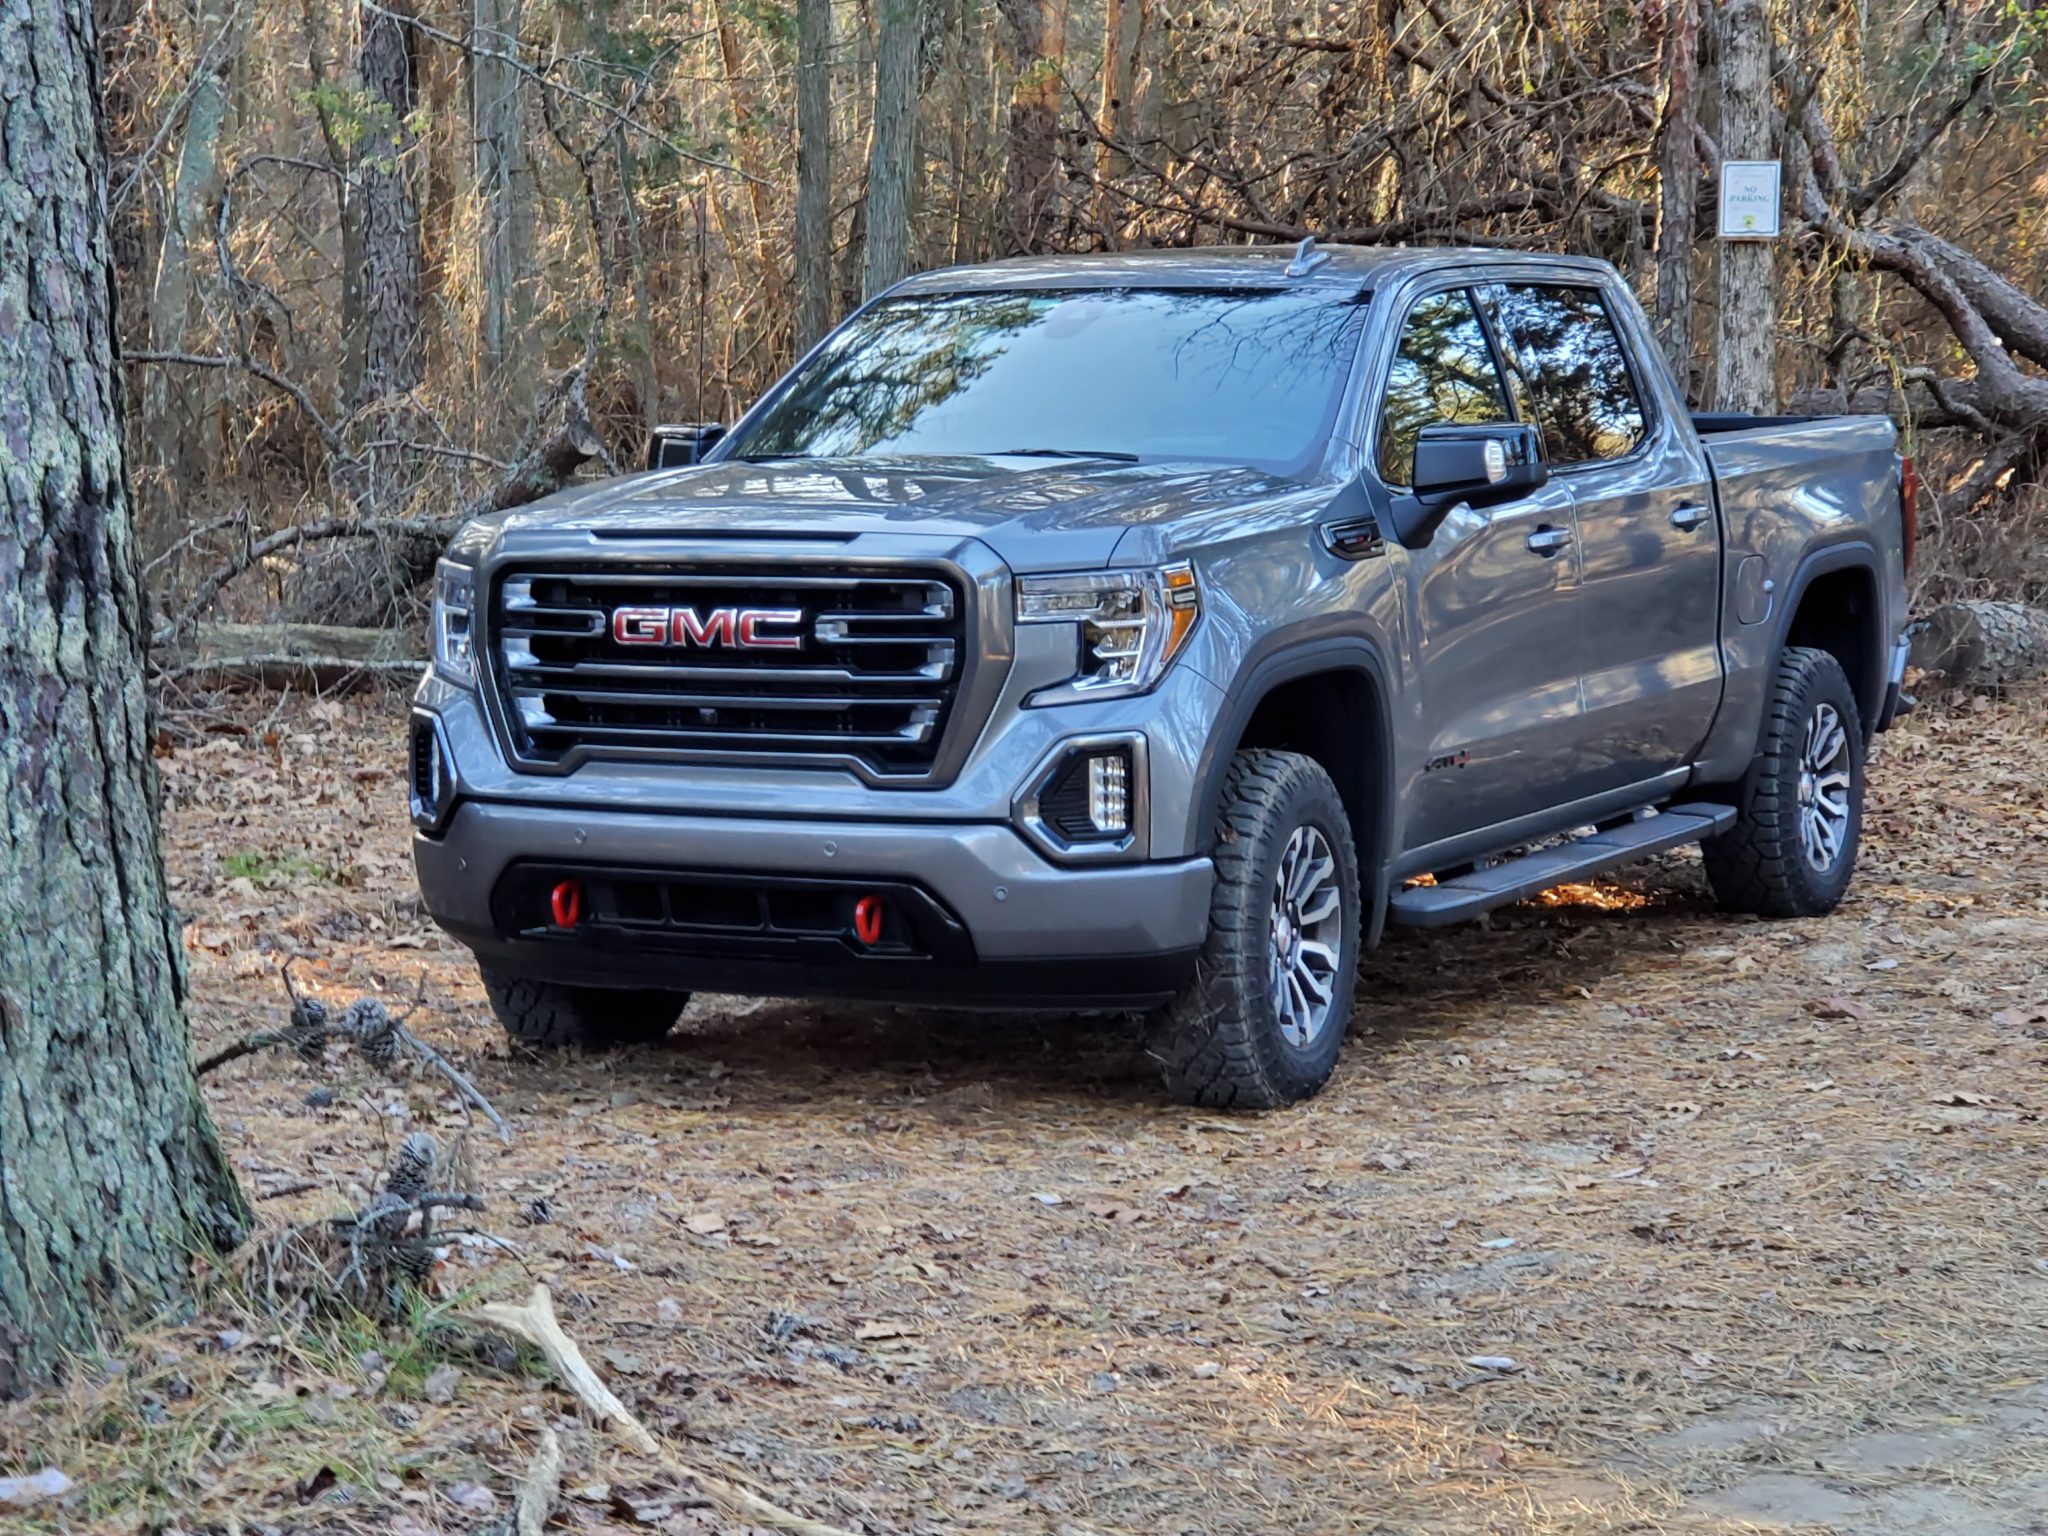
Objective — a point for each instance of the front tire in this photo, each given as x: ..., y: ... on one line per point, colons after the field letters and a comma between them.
x: 547, y: 1016
x: 1261, y: 1024
x: 1800, y: 817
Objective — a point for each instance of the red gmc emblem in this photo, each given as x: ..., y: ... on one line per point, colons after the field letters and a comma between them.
x: 745, y: 629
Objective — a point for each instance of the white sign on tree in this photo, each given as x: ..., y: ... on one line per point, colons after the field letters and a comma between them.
x: 1749, y: 199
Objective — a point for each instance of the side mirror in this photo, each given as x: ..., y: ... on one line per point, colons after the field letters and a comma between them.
x: 673, y: 447
x: 1497, y: 461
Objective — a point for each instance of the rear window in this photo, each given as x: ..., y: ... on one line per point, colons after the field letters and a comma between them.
x: 1568, y: 370
x: 1250, y: 376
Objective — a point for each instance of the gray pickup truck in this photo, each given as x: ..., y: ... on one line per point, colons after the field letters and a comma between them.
x: 1147, y: 632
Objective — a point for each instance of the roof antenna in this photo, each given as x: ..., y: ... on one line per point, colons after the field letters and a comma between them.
x: 1306, y: 258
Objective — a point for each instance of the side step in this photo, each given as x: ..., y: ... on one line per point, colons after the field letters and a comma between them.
x: 1458, y: 900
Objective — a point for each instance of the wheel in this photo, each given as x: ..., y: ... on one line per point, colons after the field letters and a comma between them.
x: 549, y: 1016
x: 1261, y: 1024
x: 1793, y: 845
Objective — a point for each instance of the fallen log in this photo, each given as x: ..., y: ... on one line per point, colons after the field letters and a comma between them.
x: 324, y: 656
x: 1982, y: 644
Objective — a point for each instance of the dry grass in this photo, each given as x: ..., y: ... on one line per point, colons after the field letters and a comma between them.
x: 1739, y: 1199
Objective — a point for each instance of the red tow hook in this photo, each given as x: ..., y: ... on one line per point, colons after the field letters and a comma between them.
x: 867, y: 919
x: 565, y: 903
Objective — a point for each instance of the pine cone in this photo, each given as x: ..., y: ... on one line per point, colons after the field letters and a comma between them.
x: 412, y: 1169
x: 365, y: 1022
x: 308, y: 1028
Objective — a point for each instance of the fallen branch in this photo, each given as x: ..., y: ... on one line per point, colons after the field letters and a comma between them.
x: 535, y: 1324
x: 374, y: 1032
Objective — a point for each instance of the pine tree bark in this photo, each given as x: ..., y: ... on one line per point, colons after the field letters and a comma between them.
x: 1123, y: 34
x: 1746, y: 361
x: 1678, y: 184
x: 1039, y: 32
x: 113, y: 1175
x: 504, y: 179
x: 892, y: 145
x: 392, y: 344
x: 813, y: 171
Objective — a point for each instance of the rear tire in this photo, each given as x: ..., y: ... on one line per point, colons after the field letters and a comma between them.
x: 548, y: 1016
x: 1264, y: 1019
x: 1800, y: 816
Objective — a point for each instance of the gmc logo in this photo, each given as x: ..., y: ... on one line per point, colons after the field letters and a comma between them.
x: 745, y: 629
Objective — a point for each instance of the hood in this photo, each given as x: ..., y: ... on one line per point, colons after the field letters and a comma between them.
x: 1067, y: 515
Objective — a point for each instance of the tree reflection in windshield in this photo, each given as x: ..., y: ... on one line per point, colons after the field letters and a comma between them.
x: 1250, y: 377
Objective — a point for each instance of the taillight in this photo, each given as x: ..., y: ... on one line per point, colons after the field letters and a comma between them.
x: 1909, y: 507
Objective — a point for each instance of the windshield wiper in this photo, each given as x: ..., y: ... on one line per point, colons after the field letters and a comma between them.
x: 1063, y: 453
x: 768, y: 458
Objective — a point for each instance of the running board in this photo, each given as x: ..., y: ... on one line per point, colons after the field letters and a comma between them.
x: 1465, y: 897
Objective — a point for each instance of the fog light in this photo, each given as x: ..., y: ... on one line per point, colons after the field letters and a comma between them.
x: 1109, y: 793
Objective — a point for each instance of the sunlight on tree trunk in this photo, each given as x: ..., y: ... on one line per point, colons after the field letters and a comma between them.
x: 113, y: 1176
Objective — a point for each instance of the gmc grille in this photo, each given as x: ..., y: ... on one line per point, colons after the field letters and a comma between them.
x: 871, y: 675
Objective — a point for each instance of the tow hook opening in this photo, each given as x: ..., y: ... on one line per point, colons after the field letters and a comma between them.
x: 565, y: 902
x: 867, y: 919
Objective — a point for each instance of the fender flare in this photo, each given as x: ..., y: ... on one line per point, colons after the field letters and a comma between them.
x: 1285, y: 661
x: 1849, y: 555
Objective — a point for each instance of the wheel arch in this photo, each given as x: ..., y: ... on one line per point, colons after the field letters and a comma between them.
x: 1330, y: 701
x: 1837, y: 606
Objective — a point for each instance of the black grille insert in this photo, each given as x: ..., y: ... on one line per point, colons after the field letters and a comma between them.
x: 628, y: 660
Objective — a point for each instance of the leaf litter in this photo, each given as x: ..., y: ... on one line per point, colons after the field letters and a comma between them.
x: 1775, y: 1174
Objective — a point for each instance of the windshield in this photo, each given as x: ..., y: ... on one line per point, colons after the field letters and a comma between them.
x: 1249, y: 377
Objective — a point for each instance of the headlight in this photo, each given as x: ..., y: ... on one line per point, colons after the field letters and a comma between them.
x: 1130, y: 623
x: 454, y: 609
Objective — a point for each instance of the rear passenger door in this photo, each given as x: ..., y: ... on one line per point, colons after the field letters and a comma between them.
x: 1491, y: 598
x: 1649, y: 550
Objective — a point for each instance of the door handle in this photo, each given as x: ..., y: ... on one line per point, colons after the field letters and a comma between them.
x: 1547, y: 541
x: 1689, y: 517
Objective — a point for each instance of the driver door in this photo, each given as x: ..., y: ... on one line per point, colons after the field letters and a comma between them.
x: 1492, y: 600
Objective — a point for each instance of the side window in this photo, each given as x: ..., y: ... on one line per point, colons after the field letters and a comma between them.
x: 1443, y: 371
x: 1570, y: 372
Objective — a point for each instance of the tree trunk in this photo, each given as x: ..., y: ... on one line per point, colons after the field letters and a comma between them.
x: 1983, y: 644
x: 746, y: 114
x: 1038, y: 30
x: 1678, y: 185
x: 1746, y: 364
x: 113, y: 1176
x: 504, y: 181
x: 391, y: 341
x: 892, y: 145
x: 1123, y: 32
x: 168, y: 418
x: 813, y: 171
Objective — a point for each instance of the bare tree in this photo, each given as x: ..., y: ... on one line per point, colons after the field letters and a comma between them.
x: 1038, y: 30
x: 391, y: 346
x: 504, y: 177
x: 1678, y: 183
x: 892, y: 145
x: 813, y: 170
x: 182, y: 257
x: 113, y: 1173
x: 1746, y: 360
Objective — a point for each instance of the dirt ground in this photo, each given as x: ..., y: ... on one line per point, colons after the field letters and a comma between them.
x: 1619, y: 1215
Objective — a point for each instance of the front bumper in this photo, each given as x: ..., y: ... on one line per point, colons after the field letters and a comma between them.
x: 1036, y: 934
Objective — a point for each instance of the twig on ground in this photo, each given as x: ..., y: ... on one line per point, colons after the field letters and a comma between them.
x: 535, y: 1324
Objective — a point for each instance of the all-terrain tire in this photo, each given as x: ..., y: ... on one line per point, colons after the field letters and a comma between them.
x: 548, y: 1016
x: 1762, y: 864
x: 1221, y: 1043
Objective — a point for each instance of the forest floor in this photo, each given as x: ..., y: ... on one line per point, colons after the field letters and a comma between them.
x: 1758, y: 1212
